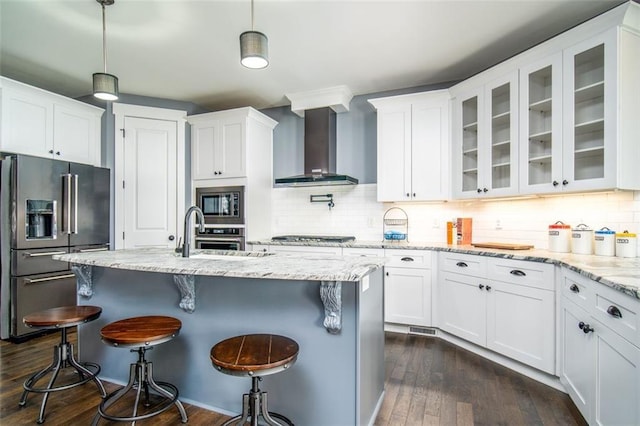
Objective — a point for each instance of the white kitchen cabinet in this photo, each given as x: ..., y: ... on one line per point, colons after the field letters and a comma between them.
x: 541, y: 124
x: 600, y: 356
x: 485, y: 135
x: 408, y: 278
x: 223, y: 143
x: 43, y: 124
x: 413, y: 155
x: 501, y: 304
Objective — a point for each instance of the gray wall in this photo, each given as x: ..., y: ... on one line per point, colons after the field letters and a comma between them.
x: 356, y: 137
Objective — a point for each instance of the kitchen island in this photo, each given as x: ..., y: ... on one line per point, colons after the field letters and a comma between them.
x: 332, y: 306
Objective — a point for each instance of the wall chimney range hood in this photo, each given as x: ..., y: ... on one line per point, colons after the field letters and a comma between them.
x: 319, y: 111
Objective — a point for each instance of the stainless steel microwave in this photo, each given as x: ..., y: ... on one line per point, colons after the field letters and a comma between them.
x: 221, y: 205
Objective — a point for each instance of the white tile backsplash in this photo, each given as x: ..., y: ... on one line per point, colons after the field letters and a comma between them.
x: 357, y: 213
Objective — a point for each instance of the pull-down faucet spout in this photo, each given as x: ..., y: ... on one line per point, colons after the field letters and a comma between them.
x: 187, y: 231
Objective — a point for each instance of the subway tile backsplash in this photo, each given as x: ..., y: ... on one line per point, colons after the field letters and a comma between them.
x: 356, y: 212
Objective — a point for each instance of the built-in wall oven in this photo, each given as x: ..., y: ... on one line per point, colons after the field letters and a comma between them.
x: 222, y: 205
x: 220, y: 238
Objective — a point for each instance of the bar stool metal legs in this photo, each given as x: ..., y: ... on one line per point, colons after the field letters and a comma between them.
x: 61, y: 318
x: 141, y: 380
x: 254, y: 407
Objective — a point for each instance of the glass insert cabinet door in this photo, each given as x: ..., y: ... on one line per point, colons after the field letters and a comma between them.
x: 541, y: 125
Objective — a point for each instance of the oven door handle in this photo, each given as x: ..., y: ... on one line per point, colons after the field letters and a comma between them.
x: 218, y: 240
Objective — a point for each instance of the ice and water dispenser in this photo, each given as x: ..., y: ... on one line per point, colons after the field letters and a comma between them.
x: 41, y: 219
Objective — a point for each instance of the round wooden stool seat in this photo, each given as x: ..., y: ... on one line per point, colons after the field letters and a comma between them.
x: 254, y: 354
x: 141, y: 331
x: 64, y: 316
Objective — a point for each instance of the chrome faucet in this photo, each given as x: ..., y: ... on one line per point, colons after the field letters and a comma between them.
x: 187, y: 231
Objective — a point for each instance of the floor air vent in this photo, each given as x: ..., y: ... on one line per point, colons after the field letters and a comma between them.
x: 422, y: 330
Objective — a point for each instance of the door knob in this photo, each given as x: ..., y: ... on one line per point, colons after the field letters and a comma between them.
x: 171, y: 237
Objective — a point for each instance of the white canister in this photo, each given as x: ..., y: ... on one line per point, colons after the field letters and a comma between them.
x: 605, y: 242
x: 560, y: 237
x: 626, y: 244
x: 582, y: 239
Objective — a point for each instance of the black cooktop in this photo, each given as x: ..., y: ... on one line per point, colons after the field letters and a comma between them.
x: 318, y: 238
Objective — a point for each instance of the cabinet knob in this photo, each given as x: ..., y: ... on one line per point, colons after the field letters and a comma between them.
x: 408, y: 195
x: 414, y: 195
x: 517, y: 272
x: 586, y: 328
x: 565, y: 182
x: 219, y: 172
x: 50, y: 151
x: 462, y: 264
x: 555, y: 183
x: 57, y: 152
x: 215, y: 173
x: 574, y: 288
x: 171, y: 238
x: 614, y: 311
x: 488, y: 288
x: 481, y: 286
x: 479, y: 190
x: 386, y: 273
x: 485, y: 190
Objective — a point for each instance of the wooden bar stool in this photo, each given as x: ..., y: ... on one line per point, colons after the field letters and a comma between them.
x: 141, y: 333
x: 255, y: 355
x: 61, y: 318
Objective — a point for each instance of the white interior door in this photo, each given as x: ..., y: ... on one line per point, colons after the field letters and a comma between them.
x: 150, y: 198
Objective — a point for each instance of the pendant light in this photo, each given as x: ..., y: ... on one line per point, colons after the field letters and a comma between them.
x: 105, y: 86
x: 254, y: 51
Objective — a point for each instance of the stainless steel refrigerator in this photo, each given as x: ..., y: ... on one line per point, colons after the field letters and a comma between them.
x: 47, y: 207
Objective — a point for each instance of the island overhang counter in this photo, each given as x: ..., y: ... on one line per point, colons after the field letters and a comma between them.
x: 331, y: 305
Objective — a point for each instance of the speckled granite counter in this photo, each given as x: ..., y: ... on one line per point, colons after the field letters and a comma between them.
x: 622, y: 274
x: 232, y: 264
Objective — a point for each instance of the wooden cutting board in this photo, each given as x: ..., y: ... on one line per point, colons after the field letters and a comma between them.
x: 504, y: 246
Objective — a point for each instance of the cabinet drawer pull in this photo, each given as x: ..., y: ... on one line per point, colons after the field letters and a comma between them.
x: 517, y: 272
x: 586, y: 328
x: 407, y: 259
x: 574, y: 288
x: 614, y: 311
x: 462, y: 264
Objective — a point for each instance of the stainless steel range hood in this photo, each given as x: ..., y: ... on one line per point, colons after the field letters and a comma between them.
x: 319, y: 152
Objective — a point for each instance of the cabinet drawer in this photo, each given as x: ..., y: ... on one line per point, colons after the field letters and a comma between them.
x: 618, y: 311
x: 578, y: 289
x: 465, y: 264
x: 408, y: 258
x: 521, y: 272
x: 321, y: 250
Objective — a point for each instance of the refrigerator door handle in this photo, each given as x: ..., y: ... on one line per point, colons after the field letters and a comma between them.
x: 41, y: 280
x: 66, y: 203
x: 75, y: 204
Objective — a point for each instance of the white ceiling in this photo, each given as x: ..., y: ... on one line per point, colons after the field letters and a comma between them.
x: 189, y: 50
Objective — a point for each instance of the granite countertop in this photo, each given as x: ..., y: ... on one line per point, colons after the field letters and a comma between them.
x: 622, y: 274
x: 232, y: 264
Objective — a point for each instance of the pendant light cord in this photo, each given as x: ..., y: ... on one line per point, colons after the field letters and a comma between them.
x: 104, y: 40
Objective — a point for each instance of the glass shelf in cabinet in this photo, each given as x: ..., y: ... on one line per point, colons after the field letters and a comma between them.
x: 501, y: 144
x: 541, y: 137
x: 597, y: 151
x: 501, y: 119
x: 471, y: 127
x: 589, y: 126
x: 541, y: 159
x: 470, y: 171
x: 592, y: 91
x: 541, y: 106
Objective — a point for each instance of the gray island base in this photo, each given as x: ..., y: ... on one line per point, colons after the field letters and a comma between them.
x: 338, y: 378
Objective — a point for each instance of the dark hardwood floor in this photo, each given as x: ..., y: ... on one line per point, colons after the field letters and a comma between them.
x: 428, y: 382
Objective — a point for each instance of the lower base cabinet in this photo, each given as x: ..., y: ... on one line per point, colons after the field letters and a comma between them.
x: 504, y: 305
x: 407, y: 296
x: 599, y: 368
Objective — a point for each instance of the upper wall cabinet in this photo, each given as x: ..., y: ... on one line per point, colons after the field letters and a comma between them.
x: 413, y: 154
x: 584, y: 141
x: 43, y: 124
x: 224, y: 143
x: 485, y: 133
